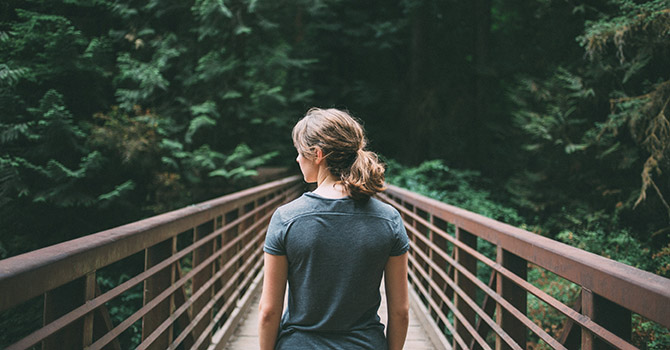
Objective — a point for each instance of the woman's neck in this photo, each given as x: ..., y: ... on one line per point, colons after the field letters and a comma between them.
x: 329, y: 187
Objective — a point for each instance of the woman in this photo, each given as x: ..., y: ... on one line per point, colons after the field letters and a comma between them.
x: 333, y: 245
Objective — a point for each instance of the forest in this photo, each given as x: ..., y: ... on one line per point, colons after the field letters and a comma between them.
x: 550, y: 115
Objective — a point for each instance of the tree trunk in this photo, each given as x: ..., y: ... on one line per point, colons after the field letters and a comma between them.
x: 420, y: 108
x: 482, y: 31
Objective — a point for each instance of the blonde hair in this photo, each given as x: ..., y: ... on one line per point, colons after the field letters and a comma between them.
x: 342, y: 140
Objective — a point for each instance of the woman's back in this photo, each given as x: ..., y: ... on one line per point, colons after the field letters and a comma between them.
x: 337, y: 250
x: 332, y: 247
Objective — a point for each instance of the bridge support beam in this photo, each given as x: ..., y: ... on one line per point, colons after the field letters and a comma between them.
x: 513, y: 293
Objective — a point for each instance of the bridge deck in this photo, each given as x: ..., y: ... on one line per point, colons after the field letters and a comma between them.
x: 246, y: 335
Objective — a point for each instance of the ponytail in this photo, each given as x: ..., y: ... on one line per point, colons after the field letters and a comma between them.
x: 366, y: 176
x: 342, y: 141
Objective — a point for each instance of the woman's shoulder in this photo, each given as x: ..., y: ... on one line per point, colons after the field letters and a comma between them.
x: 382, y: 206
x: 382, y: 209
x: 293, y: 208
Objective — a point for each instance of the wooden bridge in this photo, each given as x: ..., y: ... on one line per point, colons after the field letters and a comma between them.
x: 186, y: 280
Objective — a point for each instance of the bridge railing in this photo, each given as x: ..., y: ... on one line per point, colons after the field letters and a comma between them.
x: 471, y: 274
x: 186, y: 275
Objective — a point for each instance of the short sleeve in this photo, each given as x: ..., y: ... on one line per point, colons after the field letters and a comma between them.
x: 274, y: 239
x: 401, y: 241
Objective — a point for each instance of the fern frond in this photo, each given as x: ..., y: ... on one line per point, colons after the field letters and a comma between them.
x: 9, y: 76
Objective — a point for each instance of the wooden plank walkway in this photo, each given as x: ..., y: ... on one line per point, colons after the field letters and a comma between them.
x: 418, y: 336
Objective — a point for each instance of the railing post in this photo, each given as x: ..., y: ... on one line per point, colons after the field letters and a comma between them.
x: 153, y: 286
x: 513, y: 293
x: 179, y: 297
x: 89, y: 293
x: 58, y: 302
x: 247, y: 223
x: 470, y: 263
x: 589, y: 311
x: 226, y: 237
x: 199, y: 255
x: 259, y: 202
x: 174, y: 275
x: 409, y: 221
x: 613, y: 317
x: 441, y: 243
x: 424, y: 248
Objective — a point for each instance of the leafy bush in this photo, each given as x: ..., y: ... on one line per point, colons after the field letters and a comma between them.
x: 462, y: 188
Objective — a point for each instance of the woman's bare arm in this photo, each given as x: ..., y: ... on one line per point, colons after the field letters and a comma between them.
x: 397, y: 301
x: 272, y: 299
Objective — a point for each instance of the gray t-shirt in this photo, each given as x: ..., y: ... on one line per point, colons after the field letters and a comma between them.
x: 337, y: 250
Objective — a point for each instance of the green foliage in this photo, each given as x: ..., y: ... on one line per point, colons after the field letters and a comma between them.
x: 597, y: 137
x: 242, y: 162
x: 118, y: 191
x: 619, y: 28
x: 557, y: 123
x: 619, y: 246
x: 598, y: 127
x: 48, y: 44
x: 43, y: 164
x: 461, y: 188
x: 9, y: 76
x: 172, y: 174
x: 147, y: 77
x: 649, y: 335
x: 204, y: 115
